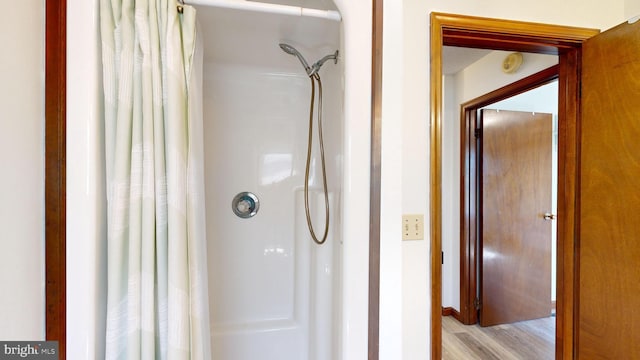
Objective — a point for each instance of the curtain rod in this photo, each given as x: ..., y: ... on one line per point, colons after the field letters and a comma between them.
x: 268, y: 8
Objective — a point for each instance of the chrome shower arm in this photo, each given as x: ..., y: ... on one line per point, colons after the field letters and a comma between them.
x: 318, y: 64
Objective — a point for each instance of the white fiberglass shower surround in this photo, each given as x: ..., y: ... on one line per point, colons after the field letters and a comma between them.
x: 273, y: 292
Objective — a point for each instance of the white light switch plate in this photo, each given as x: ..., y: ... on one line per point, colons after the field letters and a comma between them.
x: 413, y: 227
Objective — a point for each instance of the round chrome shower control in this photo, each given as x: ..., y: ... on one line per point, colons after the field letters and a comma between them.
x: 245, y: 205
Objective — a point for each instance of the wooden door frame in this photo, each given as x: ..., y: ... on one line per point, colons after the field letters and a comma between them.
x: 55, y: 172
x: 373, y: 337
x: 468, y: 180
x: 566, y: 42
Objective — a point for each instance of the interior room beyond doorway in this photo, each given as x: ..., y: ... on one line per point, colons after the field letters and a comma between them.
x: 470, y: 73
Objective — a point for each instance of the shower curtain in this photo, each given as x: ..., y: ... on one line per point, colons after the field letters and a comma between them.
x: 157, y: 305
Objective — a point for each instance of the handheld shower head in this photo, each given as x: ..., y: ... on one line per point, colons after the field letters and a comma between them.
x: 288, y: 49
x: 292, y: 51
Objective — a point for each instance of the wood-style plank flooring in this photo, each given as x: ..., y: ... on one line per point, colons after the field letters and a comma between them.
x: 533, y: 339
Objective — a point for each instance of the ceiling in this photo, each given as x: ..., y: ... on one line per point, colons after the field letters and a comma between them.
x: 456, y: 58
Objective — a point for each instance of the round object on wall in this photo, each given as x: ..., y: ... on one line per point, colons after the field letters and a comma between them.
x: 512, y: 62
x: 245, y: 205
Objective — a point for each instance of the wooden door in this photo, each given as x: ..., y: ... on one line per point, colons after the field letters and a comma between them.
x: 515, y: 249
x: 609, y: 197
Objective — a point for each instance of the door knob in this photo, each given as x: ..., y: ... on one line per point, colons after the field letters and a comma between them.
x: 549, y: 216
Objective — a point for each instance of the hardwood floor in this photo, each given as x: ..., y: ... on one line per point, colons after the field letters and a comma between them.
x: 533, y: 339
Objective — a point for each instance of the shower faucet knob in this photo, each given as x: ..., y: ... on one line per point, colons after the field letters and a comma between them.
x: 245, y: 205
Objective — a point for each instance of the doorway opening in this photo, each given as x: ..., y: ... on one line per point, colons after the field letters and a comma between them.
x: 505, y: 176
x: 536, y: 93
x: 475, y: 32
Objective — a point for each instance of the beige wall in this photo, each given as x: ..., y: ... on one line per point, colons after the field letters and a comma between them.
x: 631, y: 8
x: 22, y: 180
x: 405, y: 141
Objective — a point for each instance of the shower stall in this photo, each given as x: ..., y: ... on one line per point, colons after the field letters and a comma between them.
x: 274, y: 293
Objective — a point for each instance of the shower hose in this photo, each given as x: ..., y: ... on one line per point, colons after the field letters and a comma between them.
x: 315, y: 77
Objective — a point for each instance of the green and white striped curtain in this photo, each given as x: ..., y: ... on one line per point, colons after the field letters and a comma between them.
x: 157, y: 301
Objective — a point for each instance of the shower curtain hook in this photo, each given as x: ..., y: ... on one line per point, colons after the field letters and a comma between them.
x: 180, y: 6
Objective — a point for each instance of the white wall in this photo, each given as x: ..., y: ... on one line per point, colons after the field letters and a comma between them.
x: 451, y: 194
x: 409, y: 115
x: 486, y: 75
x: 22, y: 181
x: 391, y: 307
